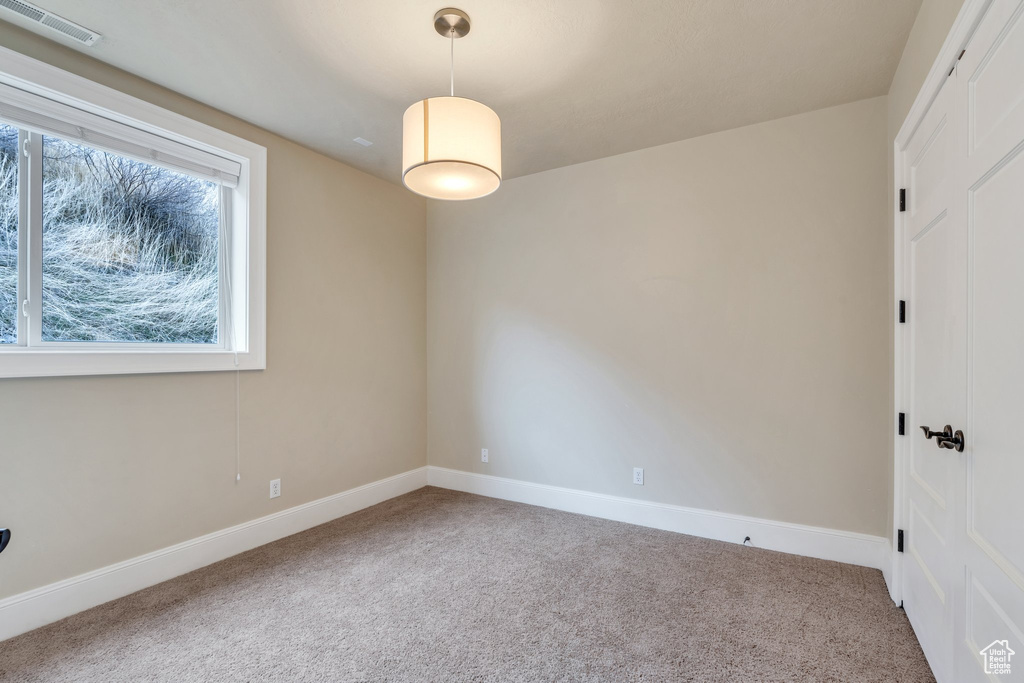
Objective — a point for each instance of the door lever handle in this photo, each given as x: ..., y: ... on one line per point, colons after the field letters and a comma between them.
x: 947, y: 438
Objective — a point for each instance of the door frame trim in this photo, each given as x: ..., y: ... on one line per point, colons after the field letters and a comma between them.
x: 959, y: 35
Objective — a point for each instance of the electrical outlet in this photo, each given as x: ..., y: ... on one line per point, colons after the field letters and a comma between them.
x: 638, y: 476
x: 275, y: 488
x: 483, y: 455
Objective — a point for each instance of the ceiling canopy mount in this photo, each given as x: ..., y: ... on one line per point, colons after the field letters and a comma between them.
x: 451, y: 22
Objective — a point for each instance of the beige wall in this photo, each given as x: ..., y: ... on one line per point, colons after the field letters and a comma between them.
x: 96, y: 470
x: 713, y: 310
x: 933, y: 22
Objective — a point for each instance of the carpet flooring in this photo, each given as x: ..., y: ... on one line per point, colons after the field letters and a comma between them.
x: 445, y: 586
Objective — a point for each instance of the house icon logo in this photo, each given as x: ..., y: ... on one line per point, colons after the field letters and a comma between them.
x: 997, y: 657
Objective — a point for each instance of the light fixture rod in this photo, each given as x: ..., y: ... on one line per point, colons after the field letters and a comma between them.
x: 451, y: 23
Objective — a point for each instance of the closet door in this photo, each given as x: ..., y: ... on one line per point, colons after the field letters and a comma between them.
x: 990, y: 558
x: 936, y: 261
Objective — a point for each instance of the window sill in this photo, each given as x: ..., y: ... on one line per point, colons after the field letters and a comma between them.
x: 22, y: 362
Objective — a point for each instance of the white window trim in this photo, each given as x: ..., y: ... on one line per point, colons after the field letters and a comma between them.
x: 247, y: 239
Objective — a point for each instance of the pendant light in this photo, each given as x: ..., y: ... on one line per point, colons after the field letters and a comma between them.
x: 451, y: 146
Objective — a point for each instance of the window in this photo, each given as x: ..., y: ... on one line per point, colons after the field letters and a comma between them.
x: 129, y: 250
x: 131, y: 239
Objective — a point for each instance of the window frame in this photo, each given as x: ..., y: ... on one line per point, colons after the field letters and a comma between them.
x: 241, y: 341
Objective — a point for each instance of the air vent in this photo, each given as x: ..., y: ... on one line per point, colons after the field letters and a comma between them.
x: 51, y: 21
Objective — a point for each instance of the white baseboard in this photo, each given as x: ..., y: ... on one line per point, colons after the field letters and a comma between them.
x: 41, y: 606
x: 825, y: 544
x: 32, y: 609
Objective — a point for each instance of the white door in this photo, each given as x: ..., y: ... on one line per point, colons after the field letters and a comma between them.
x: 964, y: 255
x: 936, y: 309
x: 990, y: 97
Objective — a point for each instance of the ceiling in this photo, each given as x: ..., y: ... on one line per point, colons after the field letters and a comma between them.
x: 572, y: 80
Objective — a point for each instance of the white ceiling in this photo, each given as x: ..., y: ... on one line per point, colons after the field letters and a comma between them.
x: 572, y: 80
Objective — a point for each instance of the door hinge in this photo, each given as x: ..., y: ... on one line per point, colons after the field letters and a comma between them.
x: 903, y: 199
x: 899, y: 541
x: 903, y: 424
x: 962, y: 52
x: 903, y: 311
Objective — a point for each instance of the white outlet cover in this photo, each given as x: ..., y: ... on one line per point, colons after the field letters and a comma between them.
x: 638, y: 476
x: 483, y: 455
x: 275, y: 488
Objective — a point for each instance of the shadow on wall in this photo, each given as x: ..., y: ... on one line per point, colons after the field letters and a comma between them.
x: 556, y: 408
x: 556, y: 403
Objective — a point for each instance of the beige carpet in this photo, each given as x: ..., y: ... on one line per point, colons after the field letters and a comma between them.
x: 445, y: 586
